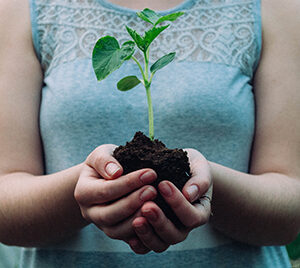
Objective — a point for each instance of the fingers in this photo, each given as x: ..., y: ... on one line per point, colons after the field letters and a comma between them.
x: 154, y: 230
x: 110, y: 200
x: 138, y: 247
x: 90, y: 191
x: 122, y: 230
x: 111, y: 214
x: 190, y: 215
x: 163, y: 227
x: 104, y: 163
x: 147, y: 235
x: 201, y: 182
x: 122, y: 207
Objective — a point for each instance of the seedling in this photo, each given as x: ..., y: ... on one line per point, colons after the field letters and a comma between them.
x: 108, y: 56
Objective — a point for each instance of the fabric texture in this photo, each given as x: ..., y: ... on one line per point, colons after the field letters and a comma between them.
x: 202, y: 100
x: 9, y: 256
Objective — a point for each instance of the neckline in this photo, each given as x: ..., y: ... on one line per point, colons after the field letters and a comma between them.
x: 184, y: 5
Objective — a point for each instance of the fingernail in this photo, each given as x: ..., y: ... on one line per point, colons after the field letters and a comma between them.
x: 193, y: 192
x: 148, y: 177
x: 112, y: 168
x: 147, y: 194
x: 165, y: 189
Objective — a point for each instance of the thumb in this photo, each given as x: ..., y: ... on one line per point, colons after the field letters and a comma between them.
x: 104, y: 163
x: 200, y: 183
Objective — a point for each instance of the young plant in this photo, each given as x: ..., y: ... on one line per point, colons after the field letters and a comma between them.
x: 108, y: 56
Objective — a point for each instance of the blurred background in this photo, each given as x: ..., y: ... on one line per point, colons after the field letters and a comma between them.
x: 294, y: 252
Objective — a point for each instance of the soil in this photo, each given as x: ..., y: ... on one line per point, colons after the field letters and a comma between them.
x: 169, y: 164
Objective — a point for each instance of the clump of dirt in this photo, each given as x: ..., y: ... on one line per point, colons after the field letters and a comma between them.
x: 169, y: 164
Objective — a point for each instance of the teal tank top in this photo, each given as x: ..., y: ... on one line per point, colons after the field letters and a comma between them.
x: 203, y: 100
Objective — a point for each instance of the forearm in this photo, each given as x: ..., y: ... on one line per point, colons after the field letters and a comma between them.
x: 36, y: 210
x: 256, y: 209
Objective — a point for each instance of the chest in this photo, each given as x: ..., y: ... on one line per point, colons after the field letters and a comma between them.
x: 225, y: 32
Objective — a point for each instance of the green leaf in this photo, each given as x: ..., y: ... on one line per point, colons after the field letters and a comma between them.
x: 108, y: 56
x: 148, y: 15
x: 137, y: 38
x: 152, y: 34
x: 169, y: 17
x: 162, y: 62
x: 144, y: 42
x: 128, y: 48
x: 128, y: 83
x: 154, y: 18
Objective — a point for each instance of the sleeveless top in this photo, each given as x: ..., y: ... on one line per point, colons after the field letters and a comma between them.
x: 203, y: 100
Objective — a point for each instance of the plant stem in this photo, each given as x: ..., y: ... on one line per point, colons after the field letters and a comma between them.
x: 148, y: 92
x: 146, y: 57
x: 147, y: 84
x: 150, y: 112
x: 140, y: 67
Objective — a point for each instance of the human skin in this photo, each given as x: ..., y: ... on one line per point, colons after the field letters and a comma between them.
x: 37, y: 209
x: 95, y: 188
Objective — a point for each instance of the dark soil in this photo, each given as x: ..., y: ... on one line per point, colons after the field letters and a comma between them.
x: 169, y: 164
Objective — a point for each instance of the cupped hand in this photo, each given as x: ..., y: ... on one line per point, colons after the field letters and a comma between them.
x: 108, y: 199
x: 192, y: 206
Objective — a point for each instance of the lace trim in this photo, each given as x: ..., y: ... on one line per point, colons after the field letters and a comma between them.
x: 218, y: 31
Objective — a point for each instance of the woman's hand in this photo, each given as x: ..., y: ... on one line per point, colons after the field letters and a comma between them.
x: 154, y: 230
x: 110, y: 203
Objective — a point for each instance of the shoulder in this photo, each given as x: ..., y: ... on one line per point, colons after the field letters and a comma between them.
x: 11, y: 10
x: 281, y: 35
x: 281, y: 19
x: 15, y: 20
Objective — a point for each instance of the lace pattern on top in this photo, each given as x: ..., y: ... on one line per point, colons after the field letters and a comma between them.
x: 220, y: 31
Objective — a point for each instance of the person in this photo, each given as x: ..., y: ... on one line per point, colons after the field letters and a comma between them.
x: 232, y: 95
